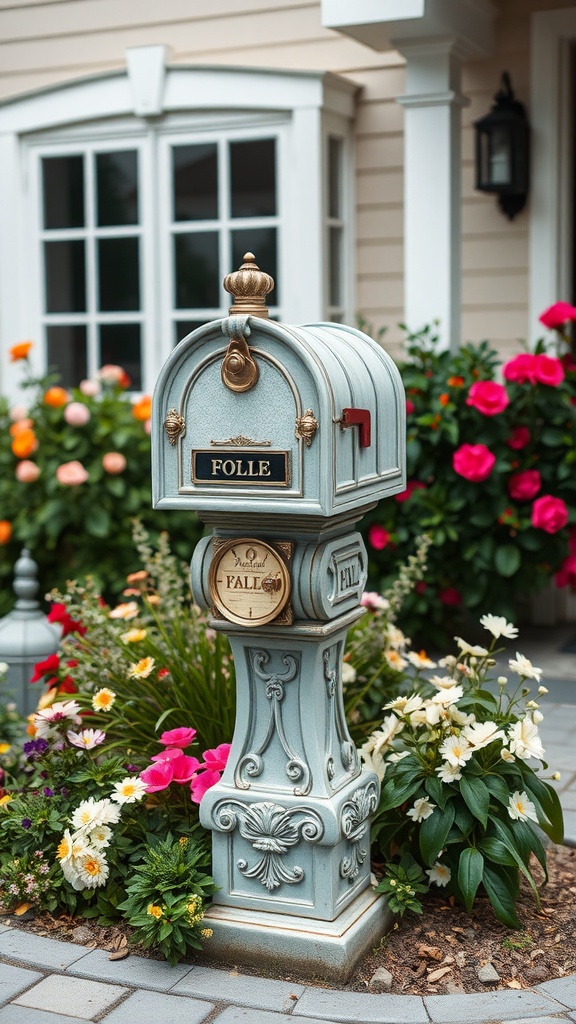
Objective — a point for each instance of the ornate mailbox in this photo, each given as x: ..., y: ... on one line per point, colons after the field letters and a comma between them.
x: 281, y: 438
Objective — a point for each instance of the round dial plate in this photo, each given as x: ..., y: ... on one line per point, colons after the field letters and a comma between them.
x: 249, y: 582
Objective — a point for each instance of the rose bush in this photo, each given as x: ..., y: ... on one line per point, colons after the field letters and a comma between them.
x: 491, y: 478
x: 74, y: 471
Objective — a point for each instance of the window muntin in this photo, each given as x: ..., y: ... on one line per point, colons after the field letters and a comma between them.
x: 335, y: 226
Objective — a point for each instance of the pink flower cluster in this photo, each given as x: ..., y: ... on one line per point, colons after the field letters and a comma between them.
x: 488, y: 397
x: 528, y: 368
x: 173, y: 765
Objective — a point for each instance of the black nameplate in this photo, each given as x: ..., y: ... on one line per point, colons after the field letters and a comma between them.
x: 248, y: 468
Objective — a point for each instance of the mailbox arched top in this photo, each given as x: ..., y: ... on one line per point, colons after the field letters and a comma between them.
x: 315, y: 427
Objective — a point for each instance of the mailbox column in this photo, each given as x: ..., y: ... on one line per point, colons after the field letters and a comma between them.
x: 281, y: 439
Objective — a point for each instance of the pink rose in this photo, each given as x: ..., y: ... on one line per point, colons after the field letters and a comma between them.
x: 548, y: 370
x: 450, y: 596
x: 114, y: 462
x: 111, y: 373
x: 520, y: 369
x: 77, y: 414
x: 524, y: 486
x: 549, y: 514
x: 411, y: 486
x: 374, y: 601
x: 409, y: 407
x: 90, y: 388
x: 71, y: 473
x: 488, y: 397
x: 217, y: 758
x: 474, y: 462
x: 27, y: 472
x: 566, y: 575
x: 157, y: 776
x: 557, y: 315
x: 378, y: 537
x: 203, y: 782
x: 181, y: 737
x: 519, y: 438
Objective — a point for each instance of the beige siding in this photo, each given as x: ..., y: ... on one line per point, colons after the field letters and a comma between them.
x: 50, y: 41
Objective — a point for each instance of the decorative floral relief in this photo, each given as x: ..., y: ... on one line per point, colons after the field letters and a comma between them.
x: 252, y: 764
x: 336, y: 725
x: 355, y: 827
x: 271, y: 830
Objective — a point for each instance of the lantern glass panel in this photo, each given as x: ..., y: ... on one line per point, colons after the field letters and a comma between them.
x: 500, y: 157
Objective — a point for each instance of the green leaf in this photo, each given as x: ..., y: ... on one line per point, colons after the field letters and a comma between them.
x: 464, y: 819
x: 547, y: 797
x: 97, y: 521
x: 476, y: 796
x: 495, y: 850
x: 507, y: 560
x: 438, y: 791
x: 470, y: 871
x: 395, y: 794
x: 434, y: 831
x: 510, y: 844
x: 498, y: 788
x: 497, y: 885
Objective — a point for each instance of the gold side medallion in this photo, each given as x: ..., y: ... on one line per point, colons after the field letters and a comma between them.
x: 249, y: 581
x: 306, y: 427
x: 174, y: 425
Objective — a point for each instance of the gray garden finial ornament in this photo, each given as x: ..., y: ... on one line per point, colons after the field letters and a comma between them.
x: 26, y: 636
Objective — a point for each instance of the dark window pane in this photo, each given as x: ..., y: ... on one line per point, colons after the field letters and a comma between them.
x: 195, y: 172
x: 118, y: 274
x: 63, y: 191
x: 65, y: 277
x: 335, y: 256
x: 197, y: 270
x: 66, y: 345
x: 334, y: 177
x: 184, y: 327
x: 120, y: 344
x: 262, y: 242
x: 117, y: 187
x: 253, y: 178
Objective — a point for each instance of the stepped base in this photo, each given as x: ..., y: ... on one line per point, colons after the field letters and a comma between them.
x: 283, y: 942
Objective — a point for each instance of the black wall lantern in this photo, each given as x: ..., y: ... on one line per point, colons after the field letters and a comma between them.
x: 503, y: 151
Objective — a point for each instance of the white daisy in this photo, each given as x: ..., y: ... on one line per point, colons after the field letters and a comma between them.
x: 448, y: 772
x: 482, y: 733
x: 129, y: 790
x: 440, y: 874
x: 524, y: 740
x: 474, y: 649
x: 456, y: 750
x: 93, y: 869
x: 93, y: 812
x: 446, y: 697
x: 498, y: 626
x: 100, y: 836
x: 520, y: 808
x: 87, y: 739
x: 419, y: 659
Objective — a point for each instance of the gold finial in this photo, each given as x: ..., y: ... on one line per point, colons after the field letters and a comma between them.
x: 249, y: 286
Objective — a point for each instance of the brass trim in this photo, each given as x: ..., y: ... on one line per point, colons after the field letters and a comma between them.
x: 174, y: 425
x: 220, y: 609
x: 240, y: 441
x: 306, y: 427
x: 239, y: 369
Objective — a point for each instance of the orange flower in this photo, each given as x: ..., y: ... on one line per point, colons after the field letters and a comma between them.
x: 19, y: 426
x: 455, y: 382
x: 20, y: 350
x: 24, y: 443
x: 142, y: 409
x: 5, y: 531
x: 56, y: 397
x: 444, y: 399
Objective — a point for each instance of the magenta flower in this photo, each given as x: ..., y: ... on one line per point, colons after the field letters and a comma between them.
x: 378, y: 537
x: 181, y: 737
x: 549, y: 514
x: 548, y: 370
x: 557, y: 315
x: 524, y: 486
x: 167, y: 755
x: 184, y: 768
x: 519, y: 438
x: 474, y: 462
x: 450, y: 596
x: 488, y: 397
x: 411, y: 486
x: 202, y: 783
x: 217, y: 758
x: 157, y: 776
x: 520, y: 370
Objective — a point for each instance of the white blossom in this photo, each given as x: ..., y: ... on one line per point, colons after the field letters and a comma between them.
x: 475, y: 649
x: 524, y: 740
x: 456, y: 750
x: 440, y: 874
x: 520, y: 808
x: 348, y: 673
x: 524, y: 667
x: 448, y: 772
x: 421, y: 809
x: 480, y: 734
x: 498, y: 626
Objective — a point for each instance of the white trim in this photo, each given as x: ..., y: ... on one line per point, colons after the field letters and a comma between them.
x: 551, y: 205
x: 147, y: 74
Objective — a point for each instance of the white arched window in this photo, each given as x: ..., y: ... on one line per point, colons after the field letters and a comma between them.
x: 127, y: 198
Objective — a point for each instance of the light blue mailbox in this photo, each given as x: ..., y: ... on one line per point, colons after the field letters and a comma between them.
x: 281, y: 438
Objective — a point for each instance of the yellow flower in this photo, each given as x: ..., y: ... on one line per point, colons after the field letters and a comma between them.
x: 5, y: 799
x: 103, y: 700
x: 47, y: 698
x: 183, y: 840
x: 64, y: 848
x: 133, y: 636
x: 206, y: 933
x: 154, y: 911
x: 142, y: 668
x: 4, y: 748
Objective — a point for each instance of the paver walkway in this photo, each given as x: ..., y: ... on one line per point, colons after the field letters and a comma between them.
x: 43, y: 981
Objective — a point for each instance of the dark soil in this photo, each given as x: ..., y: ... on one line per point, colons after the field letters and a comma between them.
x: 440, y: 951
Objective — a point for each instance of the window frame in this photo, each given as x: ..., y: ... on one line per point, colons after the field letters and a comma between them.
x: 299, y: 105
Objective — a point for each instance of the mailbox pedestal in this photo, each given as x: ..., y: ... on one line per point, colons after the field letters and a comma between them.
x: 281, y: 438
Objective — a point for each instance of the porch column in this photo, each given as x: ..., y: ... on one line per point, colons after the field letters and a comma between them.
x: 432, y: 104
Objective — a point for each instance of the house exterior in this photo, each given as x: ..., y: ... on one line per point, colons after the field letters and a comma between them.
x: 145, y: 147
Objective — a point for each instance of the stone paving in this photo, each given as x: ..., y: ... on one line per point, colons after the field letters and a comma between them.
x: 44, y: 981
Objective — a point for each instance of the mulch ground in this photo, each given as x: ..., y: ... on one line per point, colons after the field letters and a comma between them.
x: 439, y: 952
